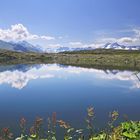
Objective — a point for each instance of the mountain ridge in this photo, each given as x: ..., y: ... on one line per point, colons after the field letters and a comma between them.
x: 24, y: 46
x: 114, y: 46
x: 121, y: 47
x: 21, y: 46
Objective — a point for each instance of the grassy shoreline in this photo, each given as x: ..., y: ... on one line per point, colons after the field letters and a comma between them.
x: 102, y: 59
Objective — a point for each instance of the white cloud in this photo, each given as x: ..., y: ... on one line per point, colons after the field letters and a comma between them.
x: 20, y: 32
x: 106, y: 40
x: 54, y: 46
x: 77, y: 45
x: 137, y: 32
x: 133, y: 39
x: 96, y: 45
x: 47, y: 37
x: 82, y: 45
x: 126, y: 40
x: 123, y: 40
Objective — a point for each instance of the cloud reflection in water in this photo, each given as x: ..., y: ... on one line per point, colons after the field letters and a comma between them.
x: 20, y: 77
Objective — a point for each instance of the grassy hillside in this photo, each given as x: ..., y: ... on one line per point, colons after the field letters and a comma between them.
x: 102, y: 58
x: 104, y: 51
x: 20, y: 57
x: 105, y: 59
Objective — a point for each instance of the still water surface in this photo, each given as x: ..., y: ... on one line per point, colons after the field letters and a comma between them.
x: 39, y: 90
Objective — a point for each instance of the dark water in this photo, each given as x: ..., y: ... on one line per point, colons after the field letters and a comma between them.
x: 38, y: 90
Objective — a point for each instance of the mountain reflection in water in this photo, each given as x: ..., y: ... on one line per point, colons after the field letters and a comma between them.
x: 18, y: 76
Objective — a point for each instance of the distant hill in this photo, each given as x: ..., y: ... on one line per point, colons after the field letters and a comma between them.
x: 114, y: 46
x: 120, y: 47
x: 6, y: 45
x: 101, y: 51
x: 64, y: 49
x: 24, y: 46
x: 21, y: 46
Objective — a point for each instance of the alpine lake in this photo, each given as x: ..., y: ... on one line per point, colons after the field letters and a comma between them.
x: 32, y: 90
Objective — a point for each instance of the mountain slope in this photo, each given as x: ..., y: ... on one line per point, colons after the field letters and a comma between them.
x: 21, y: 46
x: 6, y: 45
x: 120, y: 47
x: 24, y: 46
x: 68, y: 49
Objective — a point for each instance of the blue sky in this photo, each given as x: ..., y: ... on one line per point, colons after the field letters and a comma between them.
x: 72, y: 22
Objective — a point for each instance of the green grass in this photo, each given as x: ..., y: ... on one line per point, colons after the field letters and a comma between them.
x: 11, y: 57
x: 100, y: 58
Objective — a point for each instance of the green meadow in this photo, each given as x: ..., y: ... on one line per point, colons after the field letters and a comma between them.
x: 100, y: 58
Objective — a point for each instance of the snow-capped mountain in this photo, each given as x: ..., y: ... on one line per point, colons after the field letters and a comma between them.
x: 57, y: 50
x: 63, y: 49
x: 115, y: 46
x: 6, y: 45
x: 120, y: 47
x: 24, y: 46
x: 21, y: 46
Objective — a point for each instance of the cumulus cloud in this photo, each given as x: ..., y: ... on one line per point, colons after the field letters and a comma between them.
x: 126, y: 40
x: 123, y: 40
x: 133, y: 39
x: 20, y: 32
